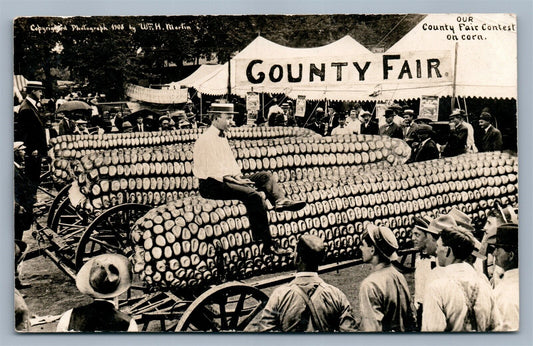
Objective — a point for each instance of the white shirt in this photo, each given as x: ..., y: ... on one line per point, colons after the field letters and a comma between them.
x: 422, y: 273
x: 354, y: 126
x: 507, y: 300
x: 445, y: 300
x: 341, y: 131
x: 275, y: 109
x: 213, y: 157
x: 470, y: 143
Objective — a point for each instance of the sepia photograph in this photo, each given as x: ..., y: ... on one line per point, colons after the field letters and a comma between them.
x: 266, y: 173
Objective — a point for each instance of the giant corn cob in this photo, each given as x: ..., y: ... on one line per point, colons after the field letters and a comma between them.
x: 67, y: 150
x: 194, y: 242
x: 155, y: 175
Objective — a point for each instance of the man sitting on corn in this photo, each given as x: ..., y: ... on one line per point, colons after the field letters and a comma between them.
x: 220, y: 177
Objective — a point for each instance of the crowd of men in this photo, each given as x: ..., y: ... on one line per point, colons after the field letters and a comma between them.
x: 419, y: 134
x: 465, y: 279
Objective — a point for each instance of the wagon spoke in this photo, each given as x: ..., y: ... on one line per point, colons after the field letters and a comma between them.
x: 238, y: 309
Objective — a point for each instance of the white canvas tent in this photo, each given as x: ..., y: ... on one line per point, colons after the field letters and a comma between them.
x: 270, y: 52
x: 486, y: 60
x: 203, y: 73
x: 423, y: 62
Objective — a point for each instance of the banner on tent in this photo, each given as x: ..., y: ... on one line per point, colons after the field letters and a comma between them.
x: 160, y: 96
x: 429, y: 107
x: 300, y: 106
x: 415, y: 67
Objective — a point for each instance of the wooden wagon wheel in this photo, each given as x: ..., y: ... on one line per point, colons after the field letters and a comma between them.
x: 110, y: 232
x: 67, y: 221
x: 61, y: 196
x: 227, y: 307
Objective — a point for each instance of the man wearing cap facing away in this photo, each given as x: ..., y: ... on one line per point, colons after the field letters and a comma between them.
x: 506, y: 292
x: 220, y: 177
x: 103, y: 278
x: 308, y: 303
x: 30, y: 130
x: 459, y: 300
x: 390, y: 129
x: 492, y: 137
x: 384, y: 298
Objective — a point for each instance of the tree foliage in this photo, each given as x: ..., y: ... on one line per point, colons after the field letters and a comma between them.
x: 104, y: 53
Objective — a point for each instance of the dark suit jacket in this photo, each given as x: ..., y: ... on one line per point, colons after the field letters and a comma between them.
x: 409, y: 135
x: 332, y: 121
x: 456, y: 142
x: 428, y: 151
x: 30, y: 129
x: 392, y: 130
x: 137, y: 129
x: 66, y: 127
x: 371, y: 129
x: 317, y: 127
x: 492, y: 140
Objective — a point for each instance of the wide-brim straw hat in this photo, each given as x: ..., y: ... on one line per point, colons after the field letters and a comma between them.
x: 461, y: 219
x: 442, y: 222
x: 105, y: 276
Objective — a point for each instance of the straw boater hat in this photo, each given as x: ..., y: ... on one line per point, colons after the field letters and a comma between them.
x: 18, y: 145
x: 222, y: 108
x: 384, y: 240
x: 409, y: 112
x: 104, y: 276
x: 34, y: 85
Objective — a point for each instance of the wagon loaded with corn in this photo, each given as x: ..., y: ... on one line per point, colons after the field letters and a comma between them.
x: 135, y: 194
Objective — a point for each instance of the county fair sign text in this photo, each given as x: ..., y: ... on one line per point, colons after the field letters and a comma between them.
x: 338, y: 71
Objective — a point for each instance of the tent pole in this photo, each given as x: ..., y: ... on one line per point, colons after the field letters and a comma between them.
x: 263, y: 101
x: 454, y: 75
x: 229, y: 79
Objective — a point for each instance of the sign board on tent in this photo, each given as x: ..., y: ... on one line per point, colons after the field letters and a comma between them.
x: 252, y: 103
x: 160, y: 96
x: 300, y: 106
x: 346, y: 73
x: 429, y: 108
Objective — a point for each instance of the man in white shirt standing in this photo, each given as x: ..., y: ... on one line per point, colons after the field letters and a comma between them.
x: 507, y: 293
x: 220, y: 177
x: 353, y: 124
x: 459, y: 300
